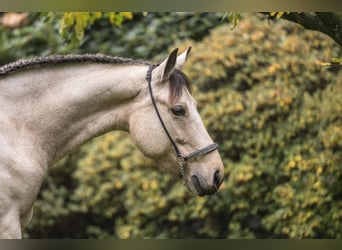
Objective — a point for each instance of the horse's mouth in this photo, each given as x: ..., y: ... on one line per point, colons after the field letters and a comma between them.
x: 200, y: 190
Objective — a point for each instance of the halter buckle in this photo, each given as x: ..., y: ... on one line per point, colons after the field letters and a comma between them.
x: 181, y: 163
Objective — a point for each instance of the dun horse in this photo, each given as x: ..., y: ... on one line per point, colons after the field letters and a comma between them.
x: 50, y: 106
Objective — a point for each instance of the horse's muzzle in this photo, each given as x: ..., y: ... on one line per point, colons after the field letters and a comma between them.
x: 202, y: 187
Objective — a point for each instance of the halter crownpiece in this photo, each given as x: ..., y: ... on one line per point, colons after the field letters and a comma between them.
x: 181, y: 159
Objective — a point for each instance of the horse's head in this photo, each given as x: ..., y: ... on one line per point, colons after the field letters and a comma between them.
x: 167, y: 127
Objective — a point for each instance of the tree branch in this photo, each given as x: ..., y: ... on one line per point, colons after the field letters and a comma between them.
x: 329, y: 23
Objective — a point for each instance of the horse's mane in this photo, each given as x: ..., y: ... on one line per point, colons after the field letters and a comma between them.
x: 60, y: 59
x: 177, y: 79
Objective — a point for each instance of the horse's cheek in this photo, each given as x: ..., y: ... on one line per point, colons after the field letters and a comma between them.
x: 148, y: 137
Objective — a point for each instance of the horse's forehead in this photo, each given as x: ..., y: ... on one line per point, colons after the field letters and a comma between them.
x: 185, y: 97
x: 188, y: 98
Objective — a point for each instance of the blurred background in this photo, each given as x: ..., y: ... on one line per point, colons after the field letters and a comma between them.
x: 268, y: 95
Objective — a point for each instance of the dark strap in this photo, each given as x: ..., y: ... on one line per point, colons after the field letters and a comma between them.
x: 149, y: 79
x: 201, y: 152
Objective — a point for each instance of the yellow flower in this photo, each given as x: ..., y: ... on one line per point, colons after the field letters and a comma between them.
x: 319, y: 170
x: 317, y: 185
x: 118, y: 185
x: 298, y: 158
x: 154, y: 185
x: 161, y: 204
x: 238, y: 107
x: 292, y: 164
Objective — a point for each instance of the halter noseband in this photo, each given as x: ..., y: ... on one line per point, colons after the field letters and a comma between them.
x: 181, y: 159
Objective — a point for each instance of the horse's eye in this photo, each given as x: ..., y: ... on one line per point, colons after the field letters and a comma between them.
x: 178, y: 110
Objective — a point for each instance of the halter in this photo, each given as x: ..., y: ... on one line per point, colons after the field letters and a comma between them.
x: 181, y: 159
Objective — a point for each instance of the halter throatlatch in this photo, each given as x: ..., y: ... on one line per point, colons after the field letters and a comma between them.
x: 181, y: 159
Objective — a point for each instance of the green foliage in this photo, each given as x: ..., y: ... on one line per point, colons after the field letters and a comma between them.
x: 148, y: 34
x: 233, y: 17
x: 334, y: 62
x: 142, y: 35
x: 79, y: 21
x: 36, y: 38
x: 277, y: 14
x: 276, y: 114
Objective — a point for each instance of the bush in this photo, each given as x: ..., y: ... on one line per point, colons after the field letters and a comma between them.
x: 272, y: 107
x: 276, y: 114
x: 148, y: 35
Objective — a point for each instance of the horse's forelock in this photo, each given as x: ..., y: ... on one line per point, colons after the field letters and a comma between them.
x: 178, y: 80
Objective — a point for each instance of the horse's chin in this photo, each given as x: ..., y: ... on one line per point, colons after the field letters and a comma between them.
x: 195, y: 188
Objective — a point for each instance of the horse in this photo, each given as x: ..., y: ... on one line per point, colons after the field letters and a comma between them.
x: 52, y: 105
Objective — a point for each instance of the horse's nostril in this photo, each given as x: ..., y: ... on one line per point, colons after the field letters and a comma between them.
x: 217, y: 179
x: 197, y: 185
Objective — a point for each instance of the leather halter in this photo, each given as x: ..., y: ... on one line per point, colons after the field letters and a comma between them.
x: 181, y: 159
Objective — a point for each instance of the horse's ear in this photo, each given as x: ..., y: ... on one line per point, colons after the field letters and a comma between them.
x: 181, y: 59
x: 164, y: 70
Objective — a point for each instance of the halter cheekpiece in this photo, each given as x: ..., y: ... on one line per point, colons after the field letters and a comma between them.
x: 181, y: 159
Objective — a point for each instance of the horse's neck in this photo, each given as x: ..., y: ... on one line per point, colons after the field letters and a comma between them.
x: 61, y: 107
